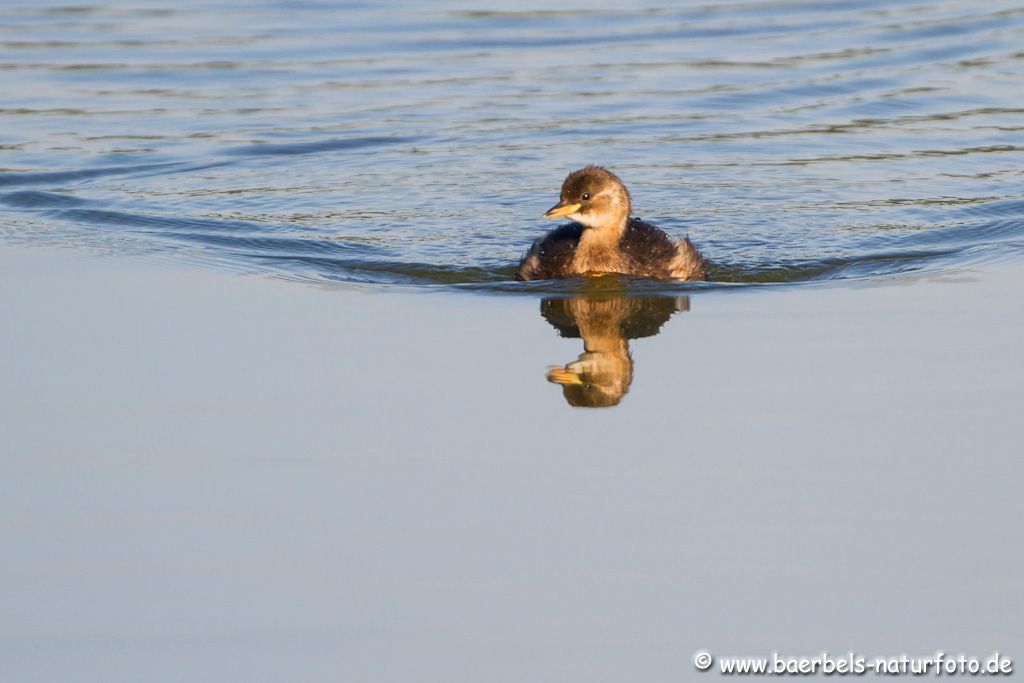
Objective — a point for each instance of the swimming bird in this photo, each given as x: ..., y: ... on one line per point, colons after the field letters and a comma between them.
x: 603, y: 238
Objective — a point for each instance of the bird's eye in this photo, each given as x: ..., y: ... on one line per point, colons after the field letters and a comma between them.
x: 586, y: 196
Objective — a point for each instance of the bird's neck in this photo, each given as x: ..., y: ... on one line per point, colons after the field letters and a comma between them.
x: 613, y: 344
x: 602, y: 237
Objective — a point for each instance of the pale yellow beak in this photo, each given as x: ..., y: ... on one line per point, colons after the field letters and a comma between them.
x: 559, y: 210
x: 559, y: 375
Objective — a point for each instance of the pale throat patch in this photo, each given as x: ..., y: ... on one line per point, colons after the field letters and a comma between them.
x: 582, y: 219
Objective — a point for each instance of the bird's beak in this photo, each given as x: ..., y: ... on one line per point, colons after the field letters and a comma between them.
x: 562, y: 209
x: 563, y: 376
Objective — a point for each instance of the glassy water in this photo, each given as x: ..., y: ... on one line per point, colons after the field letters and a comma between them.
x: 407, y: 143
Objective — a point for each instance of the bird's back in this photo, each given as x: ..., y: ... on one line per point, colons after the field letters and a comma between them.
x: 551, y: 256
x: 646, y: 248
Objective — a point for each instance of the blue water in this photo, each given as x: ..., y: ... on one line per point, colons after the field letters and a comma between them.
x: 407, y: 143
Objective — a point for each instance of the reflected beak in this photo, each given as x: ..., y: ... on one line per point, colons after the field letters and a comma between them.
x: 563, y: 376
x: 562, y: 209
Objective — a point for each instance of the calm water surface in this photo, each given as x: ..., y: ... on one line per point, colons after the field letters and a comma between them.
x: 291, y: 483
x: 406, y: 143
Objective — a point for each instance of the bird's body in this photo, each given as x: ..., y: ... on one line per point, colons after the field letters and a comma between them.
x: 641, y: 249
x: 604, y: 238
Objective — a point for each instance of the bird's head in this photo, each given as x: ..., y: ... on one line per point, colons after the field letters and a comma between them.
x: 594, y: 197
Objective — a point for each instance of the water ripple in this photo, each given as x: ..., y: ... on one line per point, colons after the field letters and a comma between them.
x: 403, y: 145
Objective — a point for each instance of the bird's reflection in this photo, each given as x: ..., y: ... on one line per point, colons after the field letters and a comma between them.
x: 601, y: 376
